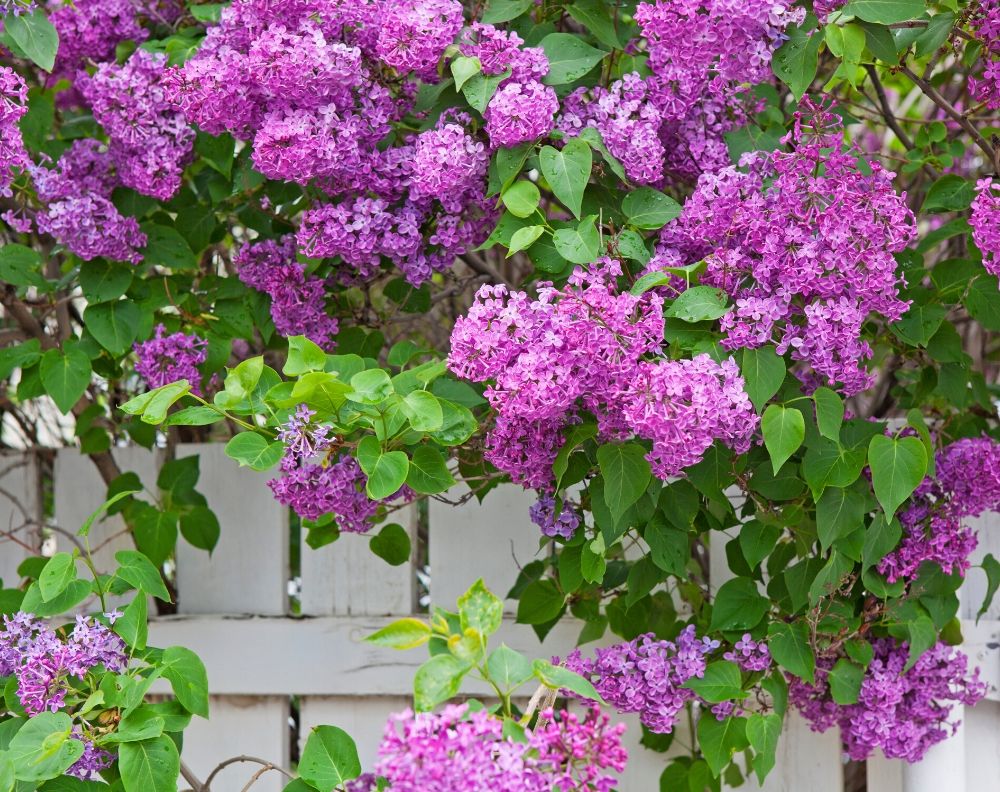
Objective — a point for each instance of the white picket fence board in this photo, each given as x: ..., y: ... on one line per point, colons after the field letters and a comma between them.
x: 974, y: 589
x: 345, y: 578
x: 20, y: 513
x: 248, y: 571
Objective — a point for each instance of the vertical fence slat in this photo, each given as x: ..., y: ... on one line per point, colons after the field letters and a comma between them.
x: 79, y: 490
x: 240, y: 726
x: 982, y: 747
x: 974, y: 588
x: 20, y: 513
x: 248, y: 571
x: 346, y: 578
x: 885, y: 775
x: 489, y: 540
x: 363, y: 717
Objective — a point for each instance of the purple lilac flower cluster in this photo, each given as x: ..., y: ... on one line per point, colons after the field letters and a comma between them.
x: 168, y: 358
x: 543, y: 514
x: 966, y: 484
x: 583, y: 348
x: 670, y: 126
x: 904, y: 713
x: 646, y: 676
x: 823, y: 8
x: 459, y: 749
x: 985, y: 222
x: 986, y: 26
x: 89, y: 30
x: 750, y: 655
x: 13, y: 106
x: 43, y: 660
x: 150, y: 142
x: 298, y: 300
x: 803, y: 242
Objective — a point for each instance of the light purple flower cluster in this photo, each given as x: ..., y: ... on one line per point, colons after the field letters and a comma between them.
x: 298, y: 300
x: 78, y: 210
x: 16, y: 7
x: 89, y: 30
x: 584, y: 348
x: 413, y: 35
x: 669, y: 126
x: 986, y: 26
x: 543, y: 514
x: 458, y: 749
x: 168, y: 358
x: 985, y: 222
x: 150, y: 142
x: 43, y: 660
x: 93, y: 759
x: 966, y: 484
x: 312, y: 489
x: 646, y: 676
x: 750, y: 655
x: 803, y: 242
x: 304, y: 438
x: 13, y: 106
x: 904, y: 713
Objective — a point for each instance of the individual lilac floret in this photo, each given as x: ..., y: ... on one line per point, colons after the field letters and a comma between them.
x: 647, y: 676
x: 543, y: 514
x: 750, y: 655
x: 985, y: 221
x: 903, y: 713
x: 168, y: 358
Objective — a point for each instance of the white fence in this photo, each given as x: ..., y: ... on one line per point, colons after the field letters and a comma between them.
x: 233, y: 610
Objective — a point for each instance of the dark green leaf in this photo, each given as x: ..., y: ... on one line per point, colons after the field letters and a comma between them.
x: 626, y: 475
x: 567, y: 172
x: 391, y: 544
x: 649, y: 209
x: 898, y: 466
x: 738, y: 605
x: 789, y: 645
x: 569, y: 58
x: 36, y: 37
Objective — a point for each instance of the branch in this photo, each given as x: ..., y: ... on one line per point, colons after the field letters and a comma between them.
x: 191, y: 778
x: 206, y: 787
x: 887, y: 113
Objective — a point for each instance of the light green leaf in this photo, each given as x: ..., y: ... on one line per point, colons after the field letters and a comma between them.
x: 388, y: 475
x: 885, y: 12
x: 149, y: 765
x: 829, y: 413
x: 58, y: 573
x: 36, y: 36
x: 463, y: 69
x: 898, y: 466
x: 650, y: 209
x: 719, y: 740
x: 329, y: 759
x: 65, y: 376
x: 763, y: 732
x: 567, y: 172
x: 509, y: 669
x: 480, y: 609
x: 698, y: 304
x: 406, y: 633
x: 253, y: 451
x: 569, y: 58
x: 521, y: 198
x: 763, y: 372
x: 524, y: 238
x: 580, y: 245
x: 437, y: 680
x: 722, y: 681
x: 784, y: 430
x: 41, y: 749
x: 188, y: 679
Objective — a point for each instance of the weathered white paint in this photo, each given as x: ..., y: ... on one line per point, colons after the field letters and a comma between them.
x: 20, y: 513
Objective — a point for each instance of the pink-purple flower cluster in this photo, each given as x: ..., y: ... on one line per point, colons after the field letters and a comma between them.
x: 543, y: 514
x: 43, y: 661
x: 413, y: 35
x: 986, y: 26
x: 903, y: 713
x: 966, y: 484
x: 985, y: 222
x: 646, y: 676
x: 313, y: 489
x: 803, y: 242
x: 168, y: 358
x: 298, y: 300
x: 460, y: 749
x: 150, y: 142
x: 585, y: 347
x: 13, y: 106
x: 89, y: 30
x: 750, y: 655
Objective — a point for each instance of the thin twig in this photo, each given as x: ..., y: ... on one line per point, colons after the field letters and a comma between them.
x: 206, y: 787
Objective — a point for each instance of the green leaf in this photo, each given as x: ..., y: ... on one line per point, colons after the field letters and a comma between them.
x: 829, y: 579
x: 218, y: 152
x: 950, y: 193
x: 522, y: 197
x: 698, y: 304
x: 524, y: 238
x: 391, y: 544
x: 36, y: 36
x: 992, y: 569
x: 428, y: 473
x: 593, y: 137
x: 649, y: 209
x: 75, y: 593
x: 65, y: 376
x: 559, y: 678
x: 839, y: 512
x: 879, y: 40
x: 540, y: 602
x: 845, y: 681
x: 303, y: 356
x: 505, y: 10
x: 593, y: 14
x: 20, y: 356
x: 829, y: 413
x: 569, y: 58
x: 200, y: 528
x: 188, y: 679
x: 898, y: 466
x: 722, y: 681
x: 133, y: 625
x: 480, y: 609
x: 42, y: 749
x: 388, y: 475
x: 402, y: 634
x: 796, y: 61
x: 463, y: 69
x: 102, y: 280
x: 885, y: 12
x: 21, y: 266
x: 757, y: 540
x: 763, y: 732
x: 670, y: 548
x: 437, y: 680
x: 372, y: 386
x: 922, y: 636
x: 329, y: 759
x: 115, y: 325
x: 626, y: 475
x: 763, y: 372
x: 149, y: 765
x: 509, y: 669
x: 719, y: 740
x: 789, y: 645
x: 580, y: 245
x: 162, y: 399
x: 166, y: 247
x: 567, y: 172
x: 253, y: 451
x: 828, y: 464
x: 58, y: 573
x: 738, y: 605
x: 142, y: 724
x: 423, y: 410
x: 919, y: 324
x: 784, y: 430
x: 138, y: 571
